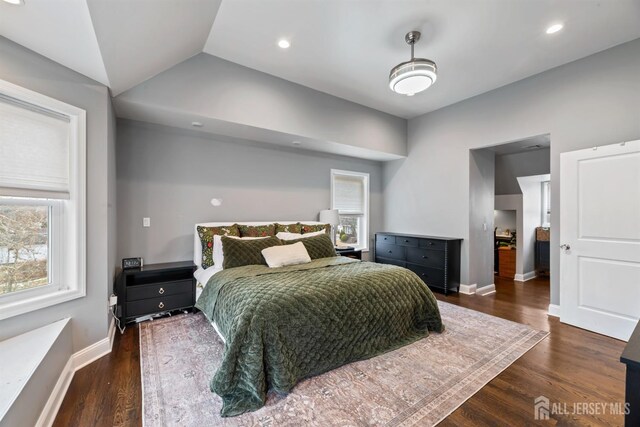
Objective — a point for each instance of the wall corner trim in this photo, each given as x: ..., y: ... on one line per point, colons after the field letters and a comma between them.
x: 554, y: 310
x: 467, y: 289
x: 77, y: 361
x: 524, y: 277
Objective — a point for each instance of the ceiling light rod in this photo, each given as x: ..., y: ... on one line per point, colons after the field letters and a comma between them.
x: 415, y: 75
x: 412, y: 38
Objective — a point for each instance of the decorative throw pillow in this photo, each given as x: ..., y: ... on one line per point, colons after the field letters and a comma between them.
x: 218, y: 254
x: 289, y: 228
x: 312, y: 228
x: 257, y: 230
x: 280, y: 256
x: 206, y: 239
x: 239, y: 252
x: 283, y: 235
x: 317, y: 246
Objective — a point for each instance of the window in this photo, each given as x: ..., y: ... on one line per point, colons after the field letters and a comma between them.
x: 546, y: 203
x: 350, y: 195
x: 42, y: 201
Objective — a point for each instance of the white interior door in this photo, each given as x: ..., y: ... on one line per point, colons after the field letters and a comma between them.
x: 600, y: 226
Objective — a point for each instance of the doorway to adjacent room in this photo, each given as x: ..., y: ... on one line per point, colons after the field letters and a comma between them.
x: 510, y: 212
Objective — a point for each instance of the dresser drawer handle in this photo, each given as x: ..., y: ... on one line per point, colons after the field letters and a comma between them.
x: 425, y: 257
x: 430, y: 243
x: 406, y: 241
x: 390, y: 252
x: 424, y: 275
x: 161, y: 305
x: 161, y: 291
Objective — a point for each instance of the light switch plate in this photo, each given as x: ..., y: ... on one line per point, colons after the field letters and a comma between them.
x: 146, y: 222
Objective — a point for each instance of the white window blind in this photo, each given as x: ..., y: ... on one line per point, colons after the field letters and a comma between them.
x: 34, y: 150
x: 349, y: 194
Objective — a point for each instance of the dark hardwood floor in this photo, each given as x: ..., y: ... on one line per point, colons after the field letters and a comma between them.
x: 570, y: 366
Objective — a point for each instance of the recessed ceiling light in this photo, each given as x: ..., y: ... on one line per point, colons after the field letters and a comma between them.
x: 554, y: 28
x: 284, y: 44
x: 196, y: 124
x: 410, y: 94
x: 15, y: 2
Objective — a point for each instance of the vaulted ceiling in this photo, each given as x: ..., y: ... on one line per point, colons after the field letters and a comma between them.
x: 340, y: 47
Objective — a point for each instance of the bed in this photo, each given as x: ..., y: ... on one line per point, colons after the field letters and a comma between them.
x: 281, y: 325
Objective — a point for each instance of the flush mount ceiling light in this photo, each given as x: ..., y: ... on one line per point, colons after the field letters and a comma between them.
x: 15, y: 2
x: 416, y: 75
x: 284, y: 44
x: 554, y: 28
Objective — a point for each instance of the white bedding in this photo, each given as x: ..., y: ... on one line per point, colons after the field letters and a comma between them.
x: 202, y: 277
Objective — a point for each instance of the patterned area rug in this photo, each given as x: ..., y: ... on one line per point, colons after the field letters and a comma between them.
x: 419, y: 384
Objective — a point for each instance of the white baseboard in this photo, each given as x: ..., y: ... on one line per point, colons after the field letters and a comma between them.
x: 524, y: 277
x: 50, y: 410
x: 554, y: 310
x: 77, y: 361
x: 486, y: 290
x: 467, y: 289
x: 94, y: 352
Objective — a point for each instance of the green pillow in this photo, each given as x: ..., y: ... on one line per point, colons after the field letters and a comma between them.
x: 317, y: 246
x: 206, y: 240
x: 246, y: 252
x: 312, y: 228
x: 257, y: 230
x: 289, y: 228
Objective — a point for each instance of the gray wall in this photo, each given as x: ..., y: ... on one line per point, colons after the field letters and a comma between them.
x: 89, y: 314
x: 511, y: 166
x: 170, y: 175
x: 481, y: 206
x: 505, y: 220
x: 238, y: 100
x: 593, y: 101
x: 112, y: 246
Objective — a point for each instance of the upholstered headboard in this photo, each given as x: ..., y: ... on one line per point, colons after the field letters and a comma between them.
x: 197, y: 246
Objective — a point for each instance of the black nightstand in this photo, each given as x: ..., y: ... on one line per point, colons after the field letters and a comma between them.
x: 350, y: 253
x: 155, y: 288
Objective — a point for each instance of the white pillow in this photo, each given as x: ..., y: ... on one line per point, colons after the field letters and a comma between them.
x: 218, y: 255
x: 283, y: 235
x: 279, y: 256
x: 218, y: 252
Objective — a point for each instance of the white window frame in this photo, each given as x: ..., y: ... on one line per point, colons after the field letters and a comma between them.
x: 364, y: 223
x: 546, y: 202
x: 67, y: 218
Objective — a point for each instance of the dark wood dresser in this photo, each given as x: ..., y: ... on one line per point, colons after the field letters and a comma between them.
x: 631, y: 357
x: 155, y: 288
x: 436, y: 260
x: 349, y: 252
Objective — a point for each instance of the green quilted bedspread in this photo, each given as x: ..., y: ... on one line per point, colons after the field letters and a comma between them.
x: 284, y: 324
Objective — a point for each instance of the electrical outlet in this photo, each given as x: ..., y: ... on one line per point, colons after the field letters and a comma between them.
x: 113, y: 300
x: 146, y: 222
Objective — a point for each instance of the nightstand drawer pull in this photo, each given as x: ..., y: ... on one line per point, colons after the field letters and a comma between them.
x: 425, y: 257
x: 390, y: 252
x: 161, y: 305
x: 161, y: 291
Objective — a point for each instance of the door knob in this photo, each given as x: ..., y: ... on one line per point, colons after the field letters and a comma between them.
x: 565, y: 247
